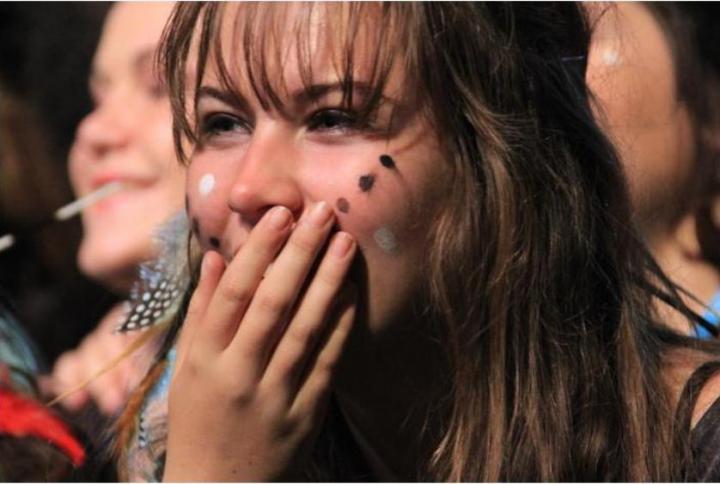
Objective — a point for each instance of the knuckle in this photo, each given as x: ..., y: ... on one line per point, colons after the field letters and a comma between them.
x: 286, y: 427
x: 242, y: 394
x: 232, y: 294
x: 325, y: 367
x: 304, y: 334
x: 329, y: 278
x: 304, y: 242
x: 273, y: 303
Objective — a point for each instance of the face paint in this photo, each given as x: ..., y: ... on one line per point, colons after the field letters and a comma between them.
x: 610, y: 57
x: 387, y: 162
x: 196, y: 228
x: 366, y: 182
x: 343, y: 205
x: 386, y: 240
x: 206, y: 184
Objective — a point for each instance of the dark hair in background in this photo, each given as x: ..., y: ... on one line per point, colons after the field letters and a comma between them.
x: 46, y: 50
x: 558, y: 364
x: 692, y: 33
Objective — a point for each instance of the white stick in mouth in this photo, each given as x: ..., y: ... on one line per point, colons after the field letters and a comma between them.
x: 6, y: 241
x: 73, y: 208
x: 70, y: 210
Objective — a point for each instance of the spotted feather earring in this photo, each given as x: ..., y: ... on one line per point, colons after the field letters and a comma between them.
x: 162, y: 283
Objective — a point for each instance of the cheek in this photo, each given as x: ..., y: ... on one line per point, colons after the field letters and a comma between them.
x: 206, y: 205
x: 376, y: 203
x: 79, y: 169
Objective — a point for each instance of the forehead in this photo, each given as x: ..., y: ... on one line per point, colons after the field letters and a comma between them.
x: 129, y: 29
x: 291, y: 46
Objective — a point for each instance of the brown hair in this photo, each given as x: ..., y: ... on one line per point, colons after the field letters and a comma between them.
x: 541, y: 288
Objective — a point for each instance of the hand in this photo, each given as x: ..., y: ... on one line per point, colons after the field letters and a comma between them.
x: 109, y: 390
x: 255, y: 357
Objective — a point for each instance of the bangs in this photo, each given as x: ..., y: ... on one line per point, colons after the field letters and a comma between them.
x: 265, y: 35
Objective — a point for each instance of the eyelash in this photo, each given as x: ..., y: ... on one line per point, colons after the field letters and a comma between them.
x: 217, y: 124
x: 326, y: 120
x: 339, y: 121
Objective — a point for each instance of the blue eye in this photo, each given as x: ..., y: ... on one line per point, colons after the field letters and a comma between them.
x: 333, y: 120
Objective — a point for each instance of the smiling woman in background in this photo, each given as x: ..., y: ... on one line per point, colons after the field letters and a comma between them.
x: 126, y: 138
x: 655, y: 71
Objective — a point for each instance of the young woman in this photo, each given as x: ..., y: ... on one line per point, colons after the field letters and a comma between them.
x: 658, y: 95
x: 418, y: 261
x: 126, y: 138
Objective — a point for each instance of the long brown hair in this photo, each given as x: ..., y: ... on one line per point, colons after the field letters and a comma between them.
x: 541, y: 286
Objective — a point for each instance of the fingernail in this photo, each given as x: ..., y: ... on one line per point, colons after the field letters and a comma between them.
x: 341, y: 244
x: 280, y: 218
x: 320, y: 214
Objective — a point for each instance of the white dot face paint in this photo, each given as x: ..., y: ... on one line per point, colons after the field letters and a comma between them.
x: 386, y: 240
x: 610, y: 57
x: 206, y: 184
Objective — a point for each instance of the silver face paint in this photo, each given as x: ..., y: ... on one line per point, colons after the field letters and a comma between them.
x: 386, y: 240
x: 206, y: 184
x: 610, y: 57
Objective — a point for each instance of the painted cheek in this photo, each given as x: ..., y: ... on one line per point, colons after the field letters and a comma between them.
x: 367, y: 208
x: 206, y: 185
x: 207, y: 208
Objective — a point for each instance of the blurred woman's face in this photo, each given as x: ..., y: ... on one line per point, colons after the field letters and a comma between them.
x: 126, y: 138
x: 632, y: 74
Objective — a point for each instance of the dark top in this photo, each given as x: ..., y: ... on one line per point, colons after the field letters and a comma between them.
x: 706, y: 445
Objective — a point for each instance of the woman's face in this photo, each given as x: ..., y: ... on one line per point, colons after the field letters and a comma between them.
x: 632, y: 74
x: 126, y: 138
x: 384, y: 182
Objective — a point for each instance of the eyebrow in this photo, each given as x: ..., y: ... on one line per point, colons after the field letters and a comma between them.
x: 300, y: 97
x: 140, y: 61
x: 236, y: 101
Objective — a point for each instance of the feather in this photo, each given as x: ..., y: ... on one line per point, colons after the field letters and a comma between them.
x: 162, y: 283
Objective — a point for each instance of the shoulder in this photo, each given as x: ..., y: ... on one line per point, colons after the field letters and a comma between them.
x: 708, y: 400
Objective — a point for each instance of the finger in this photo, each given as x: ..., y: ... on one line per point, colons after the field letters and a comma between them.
x: 277, y: 293
x: 64, y: 373
x: 315, y: 388
x: 242, y: 276
x: 299, y: 341
x: 110, y: 397
x: 46, y: 385
x: 211, y: 270
x: 76, y: 400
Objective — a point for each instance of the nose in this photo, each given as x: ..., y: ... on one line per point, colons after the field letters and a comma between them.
x: 105, y: 129
x: 266, y: 178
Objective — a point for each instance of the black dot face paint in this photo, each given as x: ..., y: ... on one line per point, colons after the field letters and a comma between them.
x: 343, y: 205
x: 196, y: 228
x: 366, y: 182
x: 215, y: 242
x: 387, y: 162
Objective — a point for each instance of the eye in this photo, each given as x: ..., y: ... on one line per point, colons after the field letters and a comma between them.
x: 333, y: 120
x: 217, y: 124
